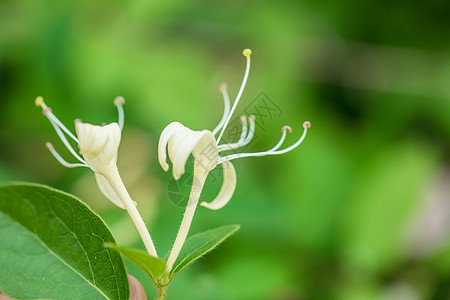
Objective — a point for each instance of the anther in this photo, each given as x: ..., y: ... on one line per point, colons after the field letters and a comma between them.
x: 222, y: 86
x: 39, y: 101
x: 247, y: 52
x: 243, y: 119
x: 49, y: 146
x: 286, y: 128
x: 306, y: 124
x: 251, y: 118
x: 119, y: 101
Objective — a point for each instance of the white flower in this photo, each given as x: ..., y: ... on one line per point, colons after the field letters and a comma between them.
x: 97, y: 144
x: 180, y: 142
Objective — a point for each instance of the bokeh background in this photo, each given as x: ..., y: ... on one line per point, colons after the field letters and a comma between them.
x: 359, y: 211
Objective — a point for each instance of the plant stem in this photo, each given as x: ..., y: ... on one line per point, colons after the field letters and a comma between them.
x: 200, y: 174
x: 116, y: 182
x: 162, y: 293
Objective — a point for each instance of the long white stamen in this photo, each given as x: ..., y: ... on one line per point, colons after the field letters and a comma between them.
x: 47, y: 111
x: 54, y: 119
x: 249, y: 137
x: 241, y: 142
x: 244, y: 129
x: 226, y: 108
x: 60, y: 159
x: 283, y: 137
x: 231, y: 146
x: 66, y: 142
x: 119, y: 102
x: 306, y: 125
x: 247, y: 53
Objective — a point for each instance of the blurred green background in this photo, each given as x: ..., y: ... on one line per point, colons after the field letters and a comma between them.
x: 359, y: 211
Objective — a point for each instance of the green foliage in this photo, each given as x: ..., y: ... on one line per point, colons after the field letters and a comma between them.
x: 151, y: 265
x: 52, y: 247
x: 334, y: 216
x: 200, y: 244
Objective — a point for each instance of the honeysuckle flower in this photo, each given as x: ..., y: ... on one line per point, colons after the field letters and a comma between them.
x: 180, y: 142
x: 98, y: 146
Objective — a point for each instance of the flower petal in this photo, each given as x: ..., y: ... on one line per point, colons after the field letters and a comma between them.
x: 227, y: 189
x: 99, y: 145
x: 108, y: 190
x: 166, y: 134
x: 181, y: 142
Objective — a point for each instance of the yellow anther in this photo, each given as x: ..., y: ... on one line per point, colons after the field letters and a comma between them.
x: 39, y: 101
x: 247, y: 52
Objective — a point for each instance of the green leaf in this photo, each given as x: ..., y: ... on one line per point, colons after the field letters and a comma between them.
x: 200, y: 244
x: 51, y: 247
x: 151, y: 265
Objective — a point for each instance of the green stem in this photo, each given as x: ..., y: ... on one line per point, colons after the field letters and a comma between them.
x: 116, y: 182
x: 200, y: 174
x: 162, y: 292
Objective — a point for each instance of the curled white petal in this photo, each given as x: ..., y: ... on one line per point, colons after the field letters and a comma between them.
x: 166, y: 134
x: 227, y: 189
x: 107, y: 190
x: 99, y: 145
x: 180, y: 142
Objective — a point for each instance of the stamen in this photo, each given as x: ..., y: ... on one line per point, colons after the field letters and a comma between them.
x: 47, y: 111
x: 65, y: 141
x: 119, y: 102
x: 287, y: 127
x: 60, y: 159
x: 272, y: 151
x: 39, y: 102
x: 306, y: 125
x: 245, y: 141
x: 249, y: 137
x: 284, y: 130
x: 243, y: 120
x: 246, y: 53
x: 226, y: 109
x: 53, y: 118
x: 231, y: 146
